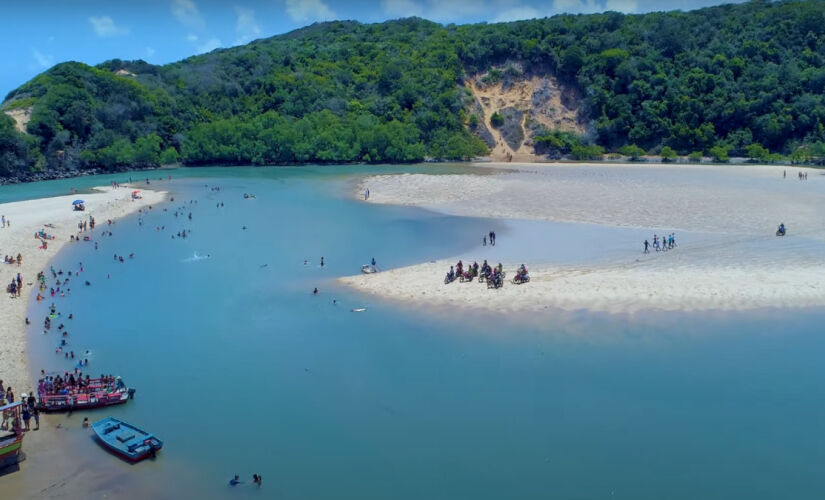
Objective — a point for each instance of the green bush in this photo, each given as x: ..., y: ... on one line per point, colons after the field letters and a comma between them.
x: 633, y: 151
x: 720, y: 153
x: 668, y: 154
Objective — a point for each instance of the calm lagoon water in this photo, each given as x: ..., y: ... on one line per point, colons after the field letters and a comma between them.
x: 240, y: 369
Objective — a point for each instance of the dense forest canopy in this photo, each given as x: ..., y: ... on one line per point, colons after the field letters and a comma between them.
x: 745, y: 79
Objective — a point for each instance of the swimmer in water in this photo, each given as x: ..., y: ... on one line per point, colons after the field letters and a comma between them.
x: 315, y: 292
x: 234, y: 481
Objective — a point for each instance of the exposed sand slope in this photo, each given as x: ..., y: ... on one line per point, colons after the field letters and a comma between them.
x: 740, y: 265
x: 540, y: 98
x: 21, y: 117
x: 28, y: 217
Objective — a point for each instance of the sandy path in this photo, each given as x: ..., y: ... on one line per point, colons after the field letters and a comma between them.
x: 741, y: 265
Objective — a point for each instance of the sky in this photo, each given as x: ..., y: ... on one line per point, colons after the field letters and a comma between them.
x: 38, y: 34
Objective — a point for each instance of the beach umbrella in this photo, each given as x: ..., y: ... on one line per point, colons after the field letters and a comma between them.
x: 78, y: 202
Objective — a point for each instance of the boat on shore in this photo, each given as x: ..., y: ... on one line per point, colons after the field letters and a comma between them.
x: 11, y: 436
x: 96, y: 393
x: 369, y: 269
x: 126, y: 440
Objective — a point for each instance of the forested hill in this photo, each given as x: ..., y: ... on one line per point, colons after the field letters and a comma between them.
x: 734, y: 79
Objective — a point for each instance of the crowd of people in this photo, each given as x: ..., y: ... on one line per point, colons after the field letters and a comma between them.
x: 29, y: 410
x: 492, y: 276
x: 661, y: 244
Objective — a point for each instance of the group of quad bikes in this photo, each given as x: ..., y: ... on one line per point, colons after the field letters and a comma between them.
x: 492, y: 276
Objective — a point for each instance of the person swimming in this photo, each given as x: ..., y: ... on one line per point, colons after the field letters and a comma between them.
x: 235, y: 481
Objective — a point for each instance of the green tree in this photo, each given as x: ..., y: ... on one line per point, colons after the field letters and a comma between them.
x: 756, y: 152
x: 720, y: 153
x: 633, y: 151
x: 169, y: 156
x: 146, y: 151
x: 668, y: 154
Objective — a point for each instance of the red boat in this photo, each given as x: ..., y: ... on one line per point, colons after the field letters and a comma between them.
x: 11, y: 434
x: 96, y: 394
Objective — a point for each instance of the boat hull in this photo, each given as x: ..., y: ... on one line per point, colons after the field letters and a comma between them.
x: 130, y: 458
x: 125, y: 440
x: 10, y: 451
x: 56, y: 404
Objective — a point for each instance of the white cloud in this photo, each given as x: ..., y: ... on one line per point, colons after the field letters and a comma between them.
x: 191, y: 37
x: 43, y: 61
x: 105, y: 26
x: 309, y: 10
x: 208, y: 46
x: 577, y: 6
x: 188, y: 14
x: 626, y: 6
x: 247, y: 26
x: 150, y: 51
x: 401, y: 8
x: 516, y: 14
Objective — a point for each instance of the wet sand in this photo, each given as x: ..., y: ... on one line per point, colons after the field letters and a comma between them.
x: 737, y: 263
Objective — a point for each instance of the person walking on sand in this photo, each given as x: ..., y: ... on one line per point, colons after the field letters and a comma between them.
x: 26, y: 414
x: 484, y: 241
x: 367, y: 194
x: 647, y: 247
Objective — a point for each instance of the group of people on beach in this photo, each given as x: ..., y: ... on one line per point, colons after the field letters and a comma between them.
x: 663, y: 244
x: 9, y: 259
x: 29, y: 410
x: 15, y: 288
x: 493, y: 276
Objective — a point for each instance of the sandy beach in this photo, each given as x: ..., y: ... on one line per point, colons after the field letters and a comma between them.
x: 727, y: 257
x: 26, y: 218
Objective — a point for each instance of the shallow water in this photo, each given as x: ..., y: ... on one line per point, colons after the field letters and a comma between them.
x: 240, y: 369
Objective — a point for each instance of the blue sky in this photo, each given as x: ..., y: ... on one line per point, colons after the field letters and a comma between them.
x: 37, y: 34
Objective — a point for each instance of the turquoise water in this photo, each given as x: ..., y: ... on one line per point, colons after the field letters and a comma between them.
x: 240, y: 369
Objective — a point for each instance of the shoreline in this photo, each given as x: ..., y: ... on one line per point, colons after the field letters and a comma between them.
x: 474, y: 162
x: 28, y: 217
x: 728, y: 257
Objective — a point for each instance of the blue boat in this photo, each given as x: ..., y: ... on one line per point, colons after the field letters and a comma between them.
x: 126, y: 440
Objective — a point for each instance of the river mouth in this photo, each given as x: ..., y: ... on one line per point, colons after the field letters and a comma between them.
x: 240, y: 369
